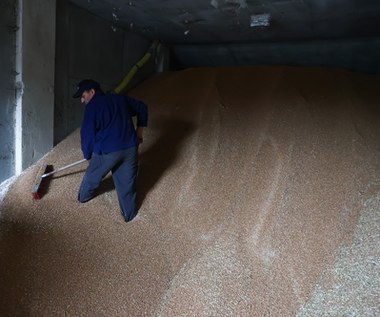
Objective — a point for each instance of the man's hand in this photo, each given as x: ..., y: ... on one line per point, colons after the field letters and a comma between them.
x: 139, y: 132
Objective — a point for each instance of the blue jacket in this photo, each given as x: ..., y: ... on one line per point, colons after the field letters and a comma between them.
x: 108, y: 125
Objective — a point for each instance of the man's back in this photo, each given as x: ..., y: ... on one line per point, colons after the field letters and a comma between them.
x: 107, y: 124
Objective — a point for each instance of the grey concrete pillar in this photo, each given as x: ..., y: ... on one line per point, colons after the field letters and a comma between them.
x: 37, y: 62
x: 8, y: 29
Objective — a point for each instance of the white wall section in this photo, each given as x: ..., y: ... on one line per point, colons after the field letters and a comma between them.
x: 38, y: 62
x: 8, y: 30
x: 19, y: 88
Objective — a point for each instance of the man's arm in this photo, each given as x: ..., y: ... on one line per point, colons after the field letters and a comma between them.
x: 140, y: 110
x: 87, y: 131
x: 139, y: 132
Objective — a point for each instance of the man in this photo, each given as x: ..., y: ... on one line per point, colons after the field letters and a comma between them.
x: 109, y: 140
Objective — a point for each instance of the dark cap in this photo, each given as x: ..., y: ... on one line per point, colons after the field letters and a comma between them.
x: 84, y: 85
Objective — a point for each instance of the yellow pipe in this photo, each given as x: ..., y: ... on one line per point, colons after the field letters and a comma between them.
x: 134, y: 69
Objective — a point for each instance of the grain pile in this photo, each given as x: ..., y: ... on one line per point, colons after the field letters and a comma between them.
x: 253, y: 185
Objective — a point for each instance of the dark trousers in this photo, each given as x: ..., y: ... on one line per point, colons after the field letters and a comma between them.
x: 123, y: 165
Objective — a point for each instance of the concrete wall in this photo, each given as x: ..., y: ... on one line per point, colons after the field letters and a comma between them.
x: 47, y: 47
x: 8, y: 27
x: 353, y: 54
x: 38, y: 62
x: 90, y: 47
x: 27, y: 39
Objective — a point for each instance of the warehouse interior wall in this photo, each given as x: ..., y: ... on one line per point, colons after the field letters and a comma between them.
x: 38, y: 54
x: 354, y: 54
x: 27, y: 97
x: 47, y: 48
x: 8, y: 16
x: 90, y: 47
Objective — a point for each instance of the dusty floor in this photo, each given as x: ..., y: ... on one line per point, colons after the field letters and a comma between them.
x: 259, y: 192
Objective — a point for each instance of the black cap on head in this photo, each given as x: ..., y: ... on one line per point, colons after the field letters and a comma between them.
x: 84, y: 85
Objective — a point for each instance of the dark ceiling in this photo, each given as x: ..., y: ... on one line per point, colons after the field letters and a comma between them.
x: 242, y: 21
